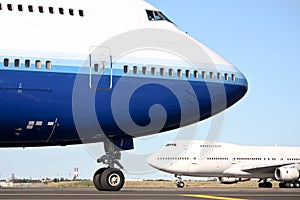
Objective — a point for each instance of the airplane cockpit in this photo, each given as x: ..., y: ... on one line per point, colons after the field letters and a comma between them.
x: 154, y: 15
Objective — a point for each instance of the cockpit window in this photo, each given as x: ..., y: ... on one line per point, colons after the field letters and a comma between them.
x: 150, y: 14
x: 157, y: 16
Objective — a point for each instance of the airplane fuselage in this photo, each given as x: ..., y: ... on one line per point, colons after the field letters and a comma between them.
x: 56, y: 89
x: 217, y: 159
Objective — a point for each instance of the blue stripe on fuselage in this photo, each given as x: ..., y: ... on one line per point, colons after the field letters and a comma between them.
x: 46, y: 95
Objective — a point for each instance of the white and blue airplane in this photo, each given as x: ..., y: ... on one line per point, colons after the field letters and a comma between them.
x: 74, y: 72
x: 231, y: 163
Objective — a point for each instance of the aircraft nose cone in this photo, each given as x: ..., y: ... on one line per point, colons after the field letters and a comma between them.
x: 152, y: 161
x: 236, y: 91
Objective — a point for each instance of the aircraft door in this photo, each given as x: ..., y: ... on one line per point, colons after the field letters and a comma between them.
x: 100, y: 68
x: 194, y: 159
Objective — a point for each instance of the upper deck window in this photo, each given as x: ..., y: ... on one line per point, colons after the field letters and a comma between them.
x: 51, y: 10
x: 157, y: 16
x: 71, y: 12
x: 9, y: 7
x: 30, y: 8
x: 41, y: 9
x: 61, y: 11
x: 20, y: 7
x: 81, y: 13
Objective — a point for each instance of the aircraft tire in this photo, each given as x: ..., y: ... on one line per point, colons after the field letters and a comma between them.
x: 112, y: 179
x: 291, y: 185
x: 97, y: 179
x: 268, y: 185
x: 282, y: 185
x: 180, y: 184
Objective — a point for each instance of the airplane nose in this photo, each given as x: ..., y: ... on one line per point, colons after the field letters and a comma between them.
x: 236, y: 91
x: 152, y: 161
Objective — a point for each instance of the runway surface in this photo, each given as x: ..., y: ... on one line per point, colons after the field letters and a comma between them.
x: 159, y: 193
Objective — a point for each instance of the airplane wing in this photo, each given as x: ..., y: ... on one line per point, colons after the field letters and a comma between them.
x: 262, y: 168
x: 252, y: 169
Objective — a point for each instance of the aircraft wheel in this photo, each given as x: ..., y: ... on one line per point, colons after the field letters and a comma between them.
x: 268, y: 185
x: 291, y: 185
x: 282, y: 185
x: 112, y: 179
x: 180, y: 184
x: 97, y: 179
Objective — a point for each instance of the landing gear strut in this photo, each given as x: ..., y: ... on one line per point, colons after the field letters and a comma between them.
x: 180, y: 183
x: 110, y: 178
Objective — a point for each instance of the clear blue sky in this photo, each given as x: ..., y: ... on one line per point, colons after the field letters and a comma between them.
x: 260, y: 37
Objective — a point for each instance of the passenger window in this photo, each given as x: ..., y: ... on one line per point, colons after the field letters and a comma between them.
x: 171, y: 72
x: 20, y: 7
x: 212, y: 75
x: 27, y: 63
x: 6, y: 62
x: 219, y: 76
x: 196, y: 74
x: 48, y: 64
x: 9, y: 7
x: 96, y: 67
x: 0, y: 6
x: 61, y: 11
x: 162, y: 71
x: 38, y: 64
x: 226, y: 77
x: 144, y: 69
x: 135, y: 69
x: 188, y: 73
x: 179, y: 73
x: 203, y: 74
x: 233, y: 77
x: 17, y: 63
x: 153, y: 71
x: 126, y: 69
x: 81, y: 13
x: 71, y: 12
x: 41, y: 9
x: 30, y: 8
x: 51, y: 10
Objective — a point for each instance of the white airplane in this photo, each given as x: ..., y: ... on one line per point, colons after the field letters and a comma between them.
x: 87, y: 71
x: 229, y: 162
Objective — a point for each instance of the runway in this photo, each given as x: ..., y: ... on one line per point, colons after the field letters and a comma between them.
x: 153, y: 193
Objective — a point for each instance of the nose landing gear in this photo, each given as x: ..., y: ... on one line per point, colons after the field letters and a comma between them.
x: 110, y: 178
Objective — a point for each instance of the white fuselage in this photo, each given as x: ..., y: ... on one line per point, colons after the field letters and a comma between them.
x: 208, y: 159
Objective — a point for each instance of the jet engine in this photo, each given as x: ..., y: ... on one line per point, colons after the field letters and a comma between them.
x: 228, y: 180
x: 286, y: 174
x: 232, y: 180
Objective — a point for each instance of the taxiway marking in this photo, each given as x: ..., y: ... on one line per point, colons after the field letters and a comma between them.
x: 210, y: 197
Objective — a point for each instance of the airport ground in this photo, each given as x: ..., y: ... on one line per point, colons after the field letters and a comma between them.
x: 150, y: 190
